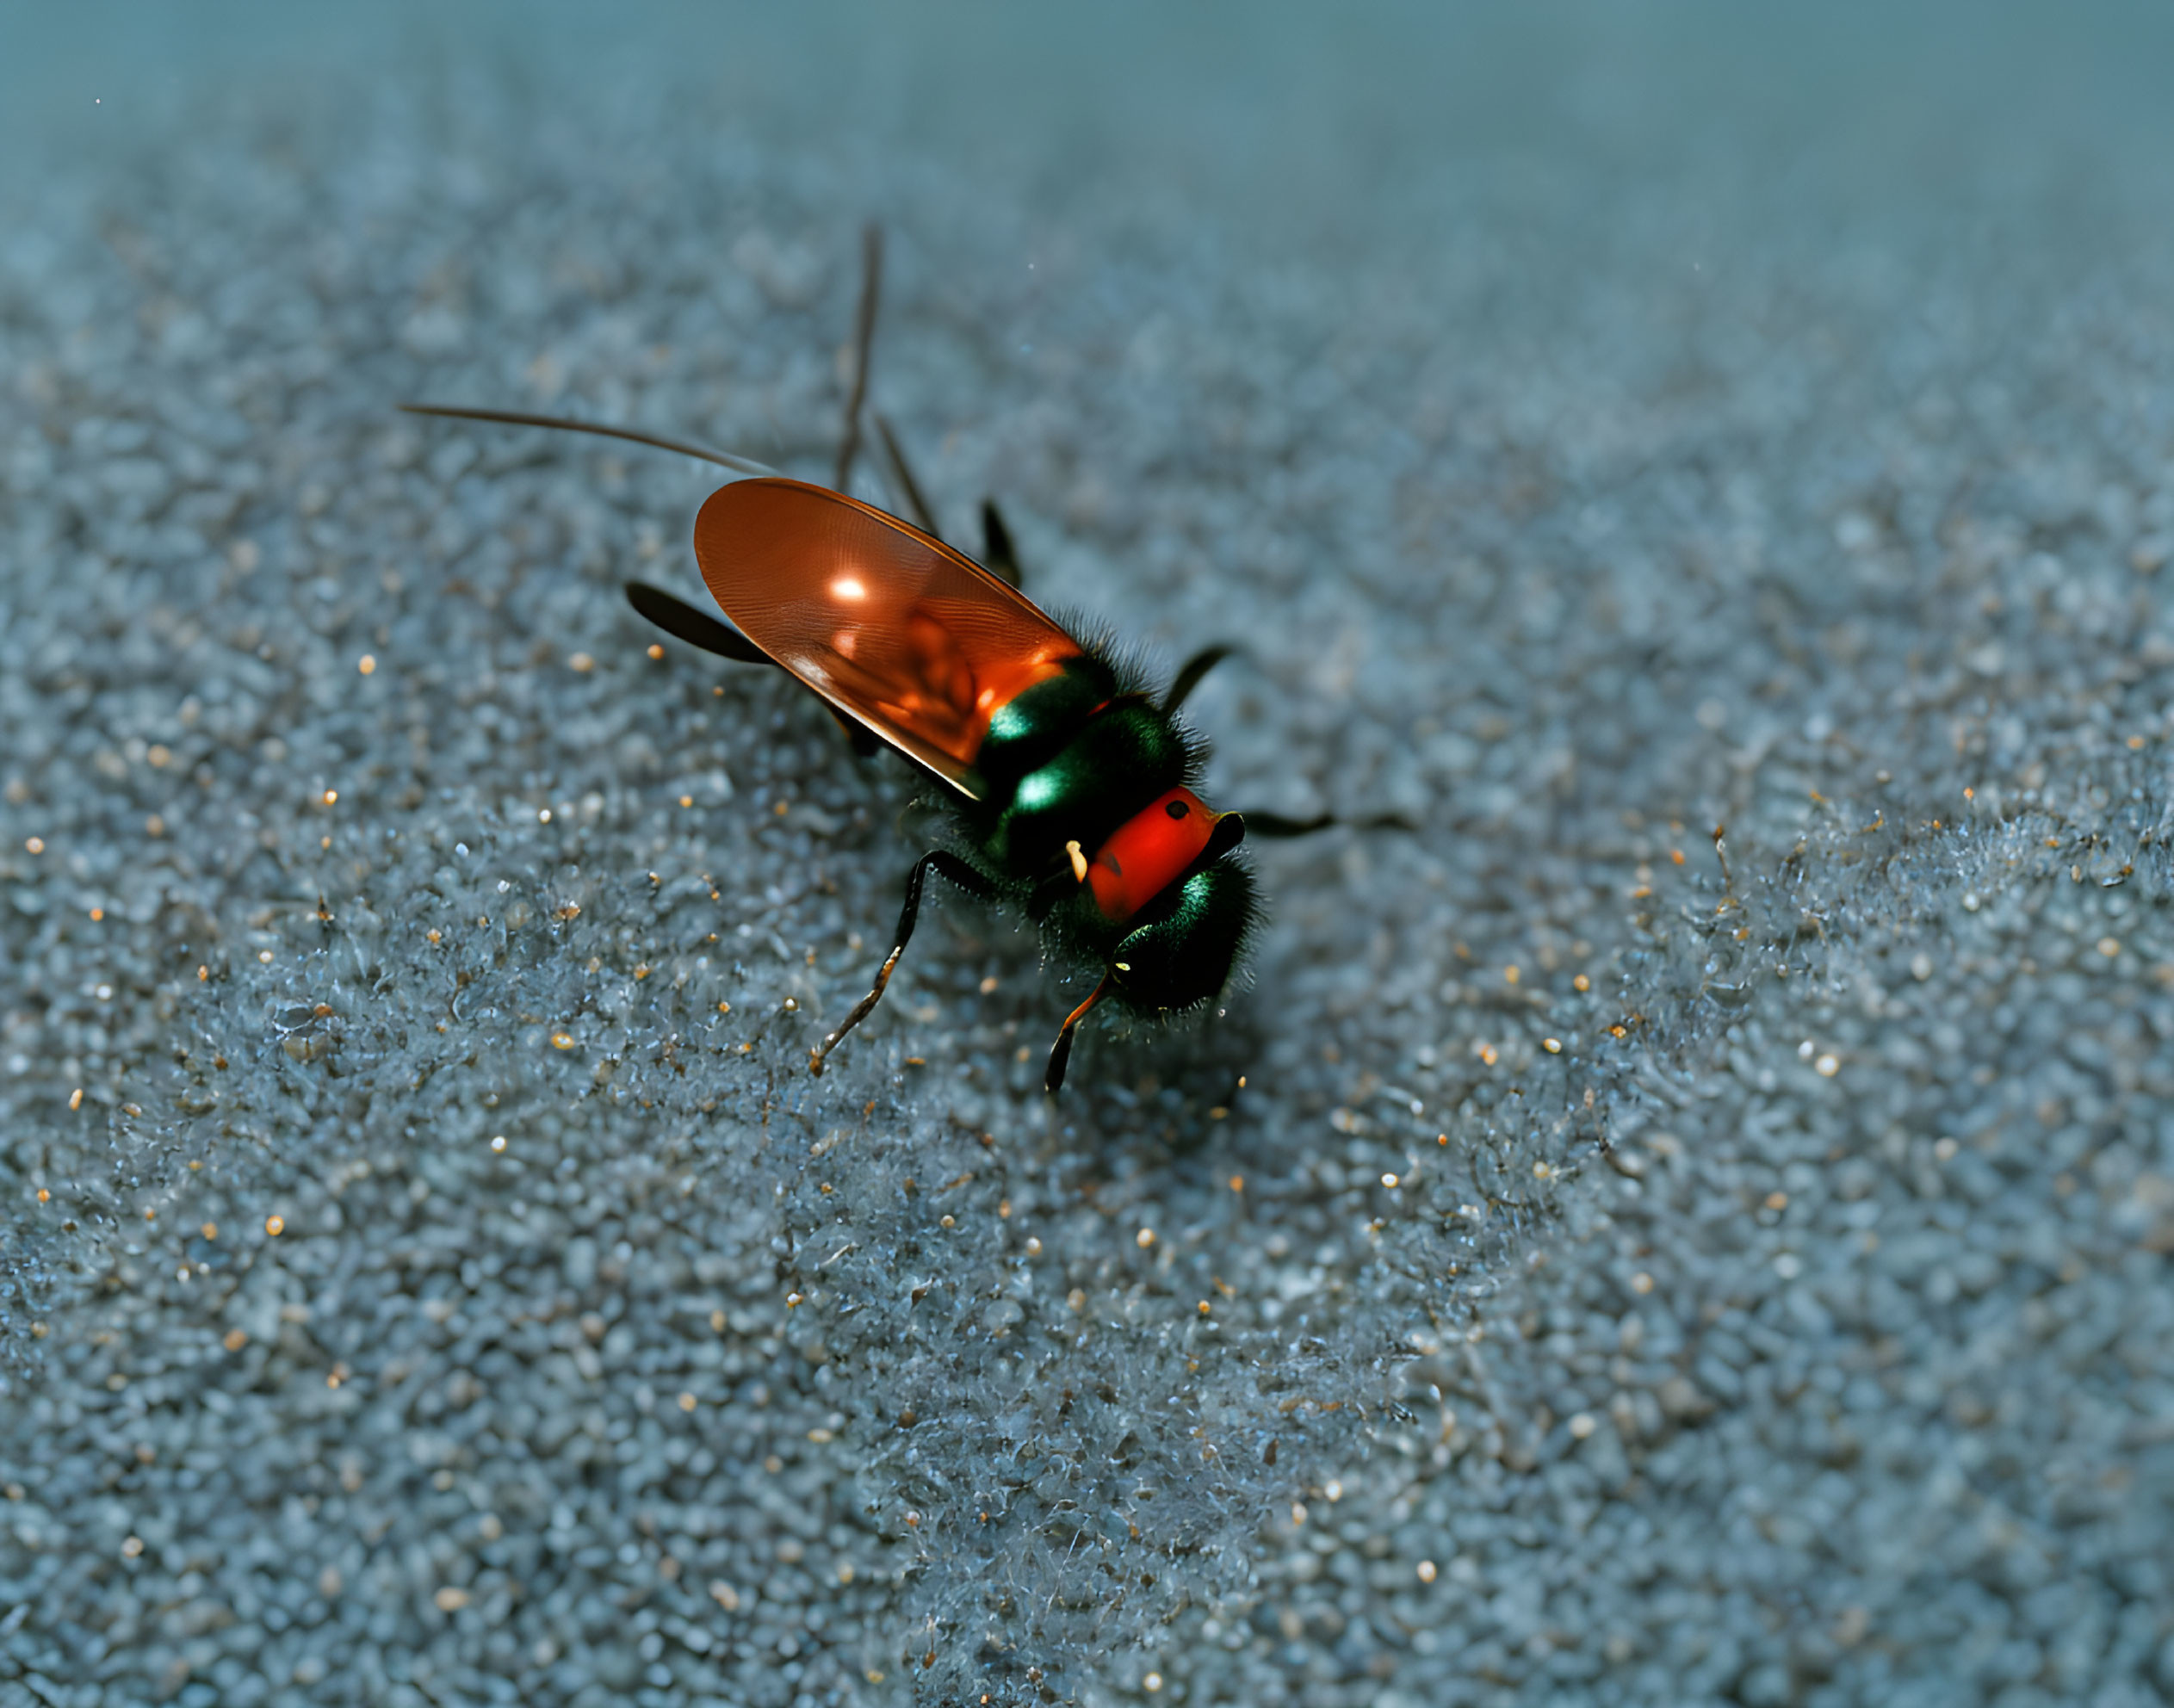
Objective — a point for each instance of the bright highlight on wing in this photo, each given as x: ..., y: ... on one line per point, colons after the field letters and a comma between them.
x: 894, y: 628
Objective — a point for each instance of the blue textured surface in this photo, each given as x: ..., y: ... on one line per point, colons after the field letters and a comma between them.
x: 1597, y: 429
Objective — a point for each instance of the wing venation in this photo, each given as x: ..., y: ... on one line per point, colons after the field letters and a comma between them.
x: 894, y: 628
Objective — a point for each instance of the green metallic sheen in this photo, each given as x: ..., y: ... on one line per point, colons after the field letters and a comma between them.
x: 1118, y: 762
x: 1029, y: 730
x: 1183, y: 957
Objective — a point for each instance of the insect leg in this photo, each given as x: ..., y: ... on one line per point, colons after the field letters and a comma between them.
x: 1188, y: 678
x: 947, y: 865
x: 999, y: 556
x: 1061, y: 1051
x: 871, y: 285
x: 683, y: 621
x: 910, y: 489
x: 1274, y: 824
x: 698, y: 628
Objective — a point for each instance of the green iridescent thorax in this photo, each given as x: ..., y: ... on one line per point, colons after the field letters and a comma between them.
x: 1114, y: 764
x: 1028, y: 730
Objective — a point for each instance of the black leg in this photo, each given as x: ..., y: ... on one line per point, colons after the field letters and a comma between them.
x: 1188, y: 678
x: 1275, y: 825
x: 998, y: 556
x: 683, y: 621
x: 945, y: 864
x: 699, y: 629
x: 924, y: 518
x: 871, y: 284
x: 1061, y: 1051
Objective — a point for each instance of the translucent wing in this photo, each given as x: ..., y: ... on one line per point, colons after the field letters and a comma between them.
x: 896, y: 629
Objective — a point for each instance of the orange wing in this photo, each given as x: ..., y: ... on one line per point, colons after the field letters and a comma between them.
x: 894, y: 628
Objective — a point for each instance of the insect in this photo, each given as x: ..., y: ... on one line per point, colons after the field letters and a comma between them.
x: 1069, y: 782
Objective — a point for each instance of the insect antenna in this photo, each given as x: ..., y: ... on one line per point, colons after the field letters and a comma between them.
x: 871, y: 285
x: 1061, y: 1051
x: 743, y: 465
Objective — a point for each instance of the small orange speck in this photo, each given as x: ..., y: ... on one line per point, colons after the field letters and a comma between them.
x: 1206, y: 1308
x: 1237, y: 1183
x: 1581, y: 982
x: 1641, y: 1282
x: 1510, y: 974
x: 366, y: 664
x: 686, y: 1402
x: 264, y: 955
x: 1777, y: 1200
x: 1676, y: 855
x: 1487, y: 1054
x: 724, y: 1008
x: 96, y: 915
x: 1552, y: 1046
x: 151, y: 1215
x: 235, y: 1340
x: 686, y: 800
x: 1427, y: 1571
x: 34, y: 845
x: 275, y: 1225
x: 44, y: 1196
x: 450, y: 1599
x: 562, y: 1040
x: 582, y: 662
x: 655, y: 651
x: 2135, y: 742
x: 1144, y: 1238
x: 433, y: 936
x: 209, y: 1230
x: 332, y: 797
x: 498, y: 1141
x: 154, y: 826
x: 75, y: 1097
x: 1970, y: 794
